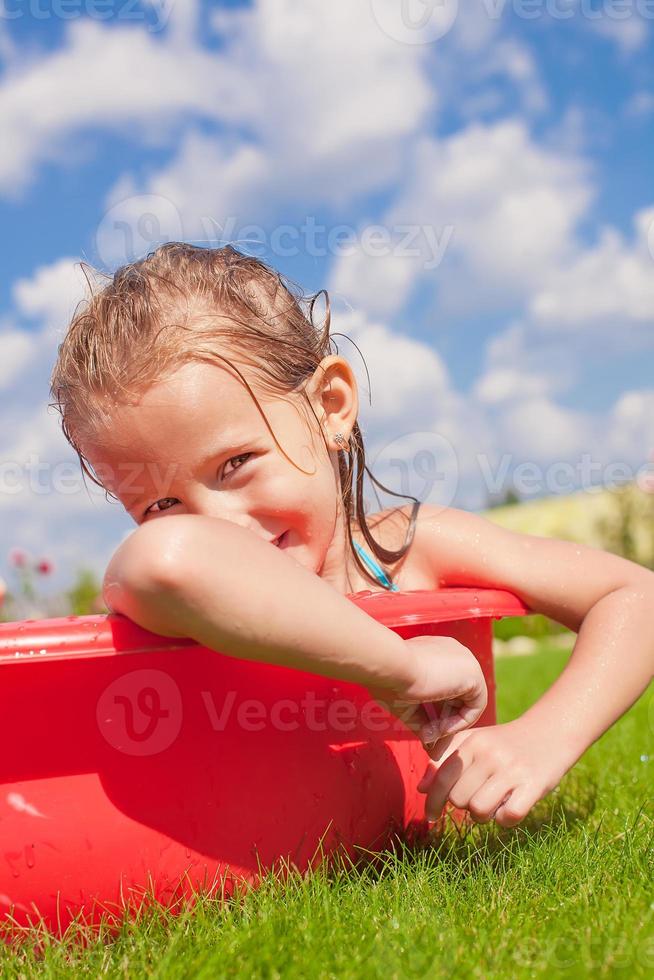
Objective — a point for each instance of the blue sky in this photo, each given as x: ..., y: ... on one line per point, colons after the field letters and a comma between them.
x: 514, y: 152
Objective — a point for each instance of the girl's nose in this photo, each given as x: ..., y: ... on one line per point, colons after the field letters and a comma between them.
x: 207, y: 502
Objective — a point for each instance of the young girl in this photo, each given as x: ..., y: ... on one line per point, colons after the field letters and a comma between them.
x: 197, y: 391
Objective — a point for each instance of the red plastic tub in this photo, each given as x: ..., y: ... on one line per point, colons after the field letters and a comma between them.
x: 134, y: 762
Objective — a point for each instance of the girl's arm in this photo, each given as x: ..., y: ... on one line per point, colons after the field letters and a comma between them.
x: 499, y: 772
x: 196, y: 576
x: 607, y: 600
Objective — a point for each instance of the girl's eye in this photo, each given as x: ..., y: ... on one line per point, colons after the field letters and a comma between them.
x: 158, y: 503
x: 241, y: 456
x: 164, y: 499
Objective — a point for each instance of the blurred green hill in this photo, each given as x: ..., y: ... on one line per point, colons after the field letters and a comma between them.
x: 619, y: 520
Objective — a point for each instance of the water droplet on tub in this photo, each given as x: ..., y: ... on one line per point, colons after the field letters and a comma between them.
x: 29, y: 855
x: 644, y: 758
x: 13, y: 859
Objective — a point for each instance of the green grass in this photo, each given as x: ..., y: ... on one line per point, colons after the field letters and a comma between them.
x: 535, y: 625
x: 566, y: 893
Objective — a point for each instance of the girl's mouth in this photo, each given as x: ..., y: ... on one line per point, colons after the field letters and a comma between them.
x: 281, y: 540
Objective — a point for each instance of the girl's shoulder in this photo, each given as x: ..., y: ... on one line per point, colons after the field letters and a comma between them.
x: 449, y: 540
x: 443, y: 538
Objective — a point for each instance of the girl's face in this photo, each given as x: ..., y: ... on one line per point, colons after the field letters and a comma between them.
x: 196, y: 443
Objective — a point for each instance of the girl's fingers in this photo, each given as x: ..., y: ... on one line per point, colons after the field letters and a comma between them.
x: 434, y: 731
x: 447, y: 719
x: 436, y: 759
x: 487, y: 800
x: 440, y: 788
x: 440, y: 777
x: 467, y: 786
x: 462, y: 784
x: 431, y: 721
x: 515, y: 807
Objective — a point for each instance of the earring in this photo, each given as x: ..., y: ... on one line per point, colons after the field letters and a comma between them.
x: 344, y: 444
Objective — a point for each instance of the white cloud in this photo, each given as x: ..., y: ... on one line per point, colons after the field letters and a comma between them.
x: 379, y: 284
x: 326, y: 76
x: 524, y: 371
x: 407, y: 376
x: 51, y: 294
x: 501, y: 384
x: 512, y: 59
x: 630, y: 432
x: 518, y: 366
x: 629, y: 34
x: 537, y: 429
x: 513, y: 204
x: 321, y: 128
x: 420, y: 425
x: 613, y: 281
x: 639, y: 104
x: 46, y: 300
x: 16, y: 348
x: 512, y: 207
x: 561, y: 443
x: 421, y: 435
x: 45, y: 505
x: 43, y: 105
x: 8, y: 49
x: 204, y: 170
x: 312, y: 83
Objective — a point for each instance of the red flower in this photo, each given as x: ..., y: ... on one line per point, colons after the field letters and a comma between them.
x: 646, y: 482
x: 18, y: 557
x: 44, y: 567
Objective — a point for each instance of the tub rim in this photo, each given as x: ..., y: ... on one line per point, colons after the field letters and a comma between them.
x: 102, y: 635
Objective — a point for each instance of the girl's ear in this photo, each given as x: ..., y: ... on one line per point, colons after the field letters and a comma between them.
x: 334, y: 394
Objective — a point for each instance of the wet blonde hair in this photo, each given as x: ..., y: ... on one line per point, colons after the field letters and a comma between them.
x: 180, y: 303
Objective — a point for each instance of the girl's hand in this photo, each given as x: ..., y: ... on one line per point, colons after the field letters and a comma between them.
x: 448, y: 693
x: 496, y: 772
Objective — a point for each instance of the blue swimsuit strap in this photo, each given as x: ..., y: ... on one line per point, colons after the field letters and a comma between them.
x: 375, y: 568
